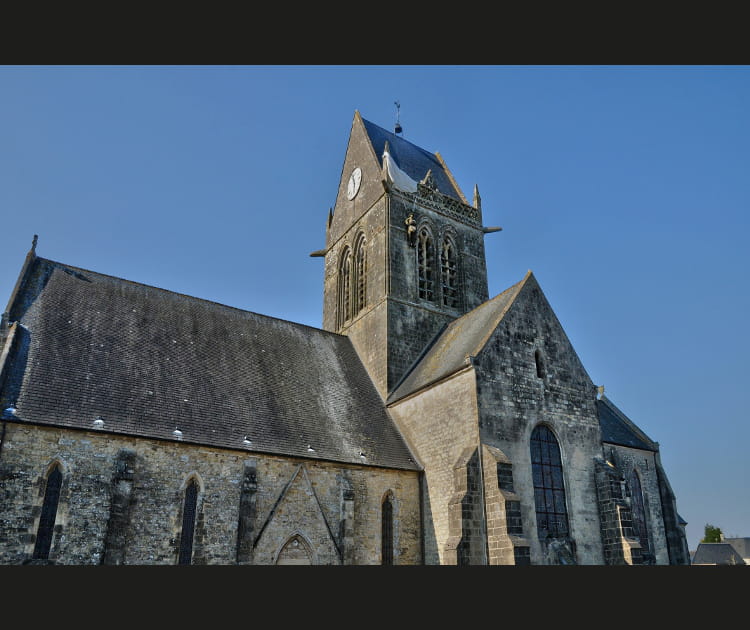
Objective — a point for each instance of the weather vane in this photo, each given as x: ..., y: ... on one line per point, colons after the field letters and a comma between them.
x: 397, y: 128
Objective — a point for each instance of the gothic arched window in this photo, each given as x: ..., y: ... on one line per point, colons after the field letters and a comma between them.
x: 448, y: 275
x: 549, y: 489
x: 49, y: 513
x: 425, y: 265
x: 360, y: 275
x: 387, y: 531
x: 345, y: 288
x: 188, y: 522
x: 640, y: 528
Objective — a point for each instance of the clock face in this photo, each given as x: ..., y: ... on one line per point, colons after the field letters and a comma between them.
x: 353, y: 186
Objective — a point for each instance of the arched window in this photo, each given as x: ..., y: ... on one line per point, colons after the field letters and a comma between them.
x: 345, y: 288
x: 188, y: 522
x: 448, y: 276
x: 360, y: 275
x: 425, y: 265
x: 640, y: 528
x: 49, y: 513
x: 386, y: 533
x: 549, y: 489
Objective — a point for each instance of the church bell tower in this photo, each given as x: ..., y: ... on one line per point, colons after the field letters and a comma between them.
x: 404, y: 251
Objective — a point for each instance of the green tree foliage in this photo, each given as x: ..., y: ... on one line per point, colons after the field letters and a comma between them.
x: 712, y: 534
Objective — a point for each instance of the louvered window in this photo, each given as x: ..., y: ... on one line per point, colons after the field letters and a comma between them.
x: 345, y: 288
x: 449, y: 280
x: 425, y: 265
x: 360, y: 273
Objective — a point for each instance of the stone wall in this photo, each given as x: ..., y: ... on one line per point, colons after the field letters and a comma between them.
x: 440, y: 426
x: 513, y: 398
x: 122, y: 498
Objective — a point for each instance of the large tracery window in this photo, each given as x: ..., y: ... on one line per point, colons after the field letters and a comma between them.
x: 425, y: 265
x: 387, y: 531
x: 188, y: 523
x: 448, y: 277
x: 48, y: 515
x: 360, y: 275
x: 638, y: 509
x: 549, y: 489
x: 345, y: 288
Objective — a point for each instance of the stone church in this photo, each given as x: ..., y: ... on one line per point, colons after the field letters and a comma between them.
x: 424, y: 423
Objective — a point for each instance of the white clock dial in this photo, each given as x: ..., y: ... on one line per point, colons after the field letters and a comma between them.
x: 353, y: 186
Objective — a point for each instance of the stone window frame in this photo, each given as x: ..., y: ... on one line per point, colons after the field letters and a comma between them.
x: 359, y: 275
x: 344, y: 287
x: 44, y: 533
x: 431, y: 277
x: 185, y: 550
x: 426, y: 260
x: 449, y: 235
x: 639, y: 510
x: 559, y: 495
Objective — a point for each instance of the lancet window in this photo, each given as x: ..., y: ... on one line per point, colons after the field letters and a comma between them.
x: 360, y: 275
x: 638, y: 509
x: 387, y: 531
x: 188, y: 522
x: 345, y: 288
x: 425, y: 265
x: 49, y: 513
x: 448, y: 273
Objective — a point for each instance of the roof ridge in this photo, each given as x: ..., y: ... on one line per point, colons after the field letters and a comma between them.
x: 184, y: 295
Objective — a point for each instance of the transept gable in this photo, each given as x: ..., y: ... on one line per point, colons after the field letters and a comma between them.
x: 518, y: 317
x: 456, y: 344
x: 529, y: 334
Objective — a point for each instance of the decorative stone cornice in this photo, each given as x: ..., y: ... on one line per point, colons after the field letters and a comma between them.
x: 434, y: 200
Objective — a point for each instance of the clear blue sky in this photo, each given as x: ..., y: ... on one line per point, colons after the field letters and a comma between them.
x: 625, y: 189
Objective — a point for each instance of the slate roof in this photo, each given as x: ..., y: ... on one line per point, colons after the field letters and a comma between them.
x: 617, y: 428
x: 413, y: 160
x: 452, y: 347
x: 148, y: 361
x: 741, y: 545
x: 717, y: 553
